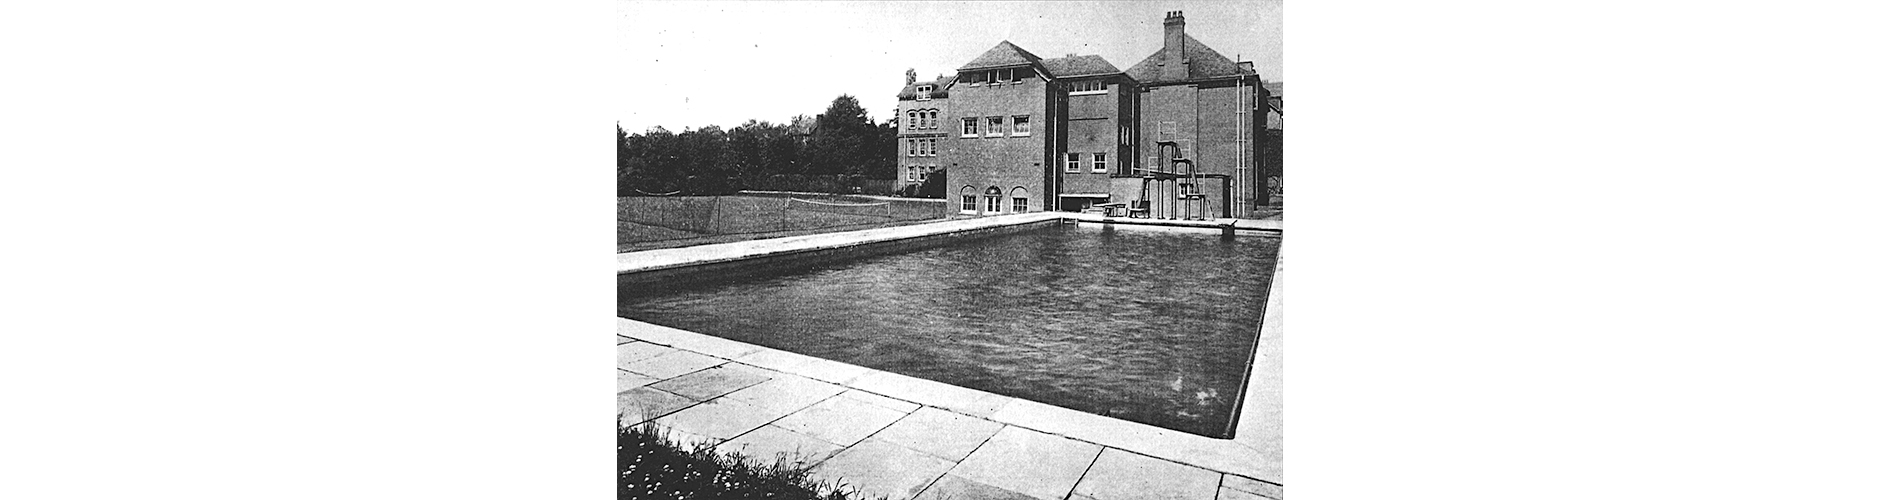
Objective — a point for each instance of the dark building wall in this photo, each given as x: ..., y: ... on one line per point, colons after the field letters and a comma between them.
x: 1005, y: 162
x: 1159, y: 106
x: 1093, y: 124
x: 1205, y: 126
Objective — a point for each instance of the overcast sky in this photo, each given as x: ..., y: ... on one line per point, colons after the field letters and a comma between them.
x: 697, y: 63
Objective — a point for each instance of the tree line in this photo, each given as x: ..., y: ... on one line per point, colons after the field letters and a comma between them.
x: 841, y: 150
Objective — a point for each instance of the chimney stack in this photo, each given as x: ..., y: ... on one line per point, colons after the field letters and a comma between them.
x: 1174, y: 46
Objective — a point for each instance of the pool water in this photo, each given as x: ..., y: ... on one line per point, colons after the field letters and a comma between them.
x: 1149, y: 326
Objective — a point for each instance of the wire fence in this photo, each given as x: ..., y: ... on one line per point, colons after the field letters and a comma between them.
x: 653, y: 219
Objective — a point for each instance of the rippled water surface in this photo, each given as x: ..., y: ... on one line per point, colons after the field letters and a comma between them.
x: 1150, y: 326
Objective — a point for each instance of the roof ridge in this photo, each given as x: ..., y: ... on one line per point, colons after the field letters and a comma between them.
x: 1003, y: 54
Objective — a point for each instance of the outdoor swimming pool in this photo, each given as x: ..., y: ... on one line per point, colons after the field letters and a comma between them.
x: 1148, y: 326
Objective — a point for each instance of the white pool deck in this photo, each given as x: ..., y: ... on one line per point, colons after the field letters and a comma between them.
x: 652, y: 260
x: 910, y: 438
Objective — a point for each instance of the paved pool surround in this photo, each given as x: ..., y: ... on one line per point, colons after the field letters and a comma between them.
x: 908, y: 437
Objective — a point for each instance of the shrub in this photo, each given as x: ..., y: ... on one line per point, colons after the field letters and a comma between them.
x: 653, y: 466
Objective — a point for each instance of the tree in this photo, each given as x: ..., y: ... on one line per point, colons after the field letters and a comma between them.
x: 842, y: 138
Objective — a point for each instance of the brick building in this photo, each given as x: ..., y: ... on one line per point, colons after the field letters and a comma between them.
x: 1178, y: 135
x: 922, y: 129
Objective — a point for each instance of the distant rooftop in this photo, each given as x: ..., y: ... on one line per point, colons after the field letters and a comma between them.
x: 1079, y: 66
x: 941, y: 83
x: 1203, y: 63
x: 1003, y: 54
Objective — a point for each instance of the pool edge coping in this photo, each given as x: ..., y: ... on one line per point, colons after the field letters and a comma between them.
x: 717, y: 253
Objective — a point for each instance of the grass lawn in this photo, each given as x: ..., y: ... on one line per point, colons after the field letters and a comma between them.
x: 647, y: 223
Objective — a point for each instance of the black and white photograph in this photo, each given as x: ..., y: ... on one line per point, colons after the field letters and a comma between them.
x: 950, y: 250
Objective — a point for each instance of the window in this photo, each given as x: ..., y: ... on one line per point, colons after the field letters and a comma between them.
x: 933, y: 119
x: 933, y: 147
x: 969, y: 127
x: 1127, y: 136
x: 1101, y: 163
x: 1086, y: 87
x: 913, y: 118
x: 969, y: 200
x: 996, y: 127
x: 992, y: 200
x: 1074, y: 164
x: 923, y: 92
x: 1020, y: 127
x: 1018, y: 200
x: 913, y: 147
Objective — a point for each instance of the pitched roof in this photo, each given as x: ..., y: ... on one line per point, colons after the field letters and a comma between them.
x: 1079, y: 66
x: 1203, y: 63
x: 1275, y: 87
x: 940, y: 85
x: 1003, y: 54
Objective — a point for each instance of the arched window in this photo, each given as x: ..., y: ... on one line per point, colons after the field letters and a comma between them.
x: 992, y: 200
x: 913, y: 119
x: 969, y: 200
x: 933, y: 119
x: 1018, y: 200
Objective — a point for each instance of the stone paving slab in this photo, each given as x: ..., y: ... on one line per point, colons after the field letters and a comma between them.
x: 1218, y: 454
x: 786, y: 393
x: 817, y: 368
x: 682, y: 339
x: 940, y: 433
x: 1233, y: 494
x: 953, y: 487
x: 1040, y: 465
x: 1120, y: 475
x: 1260, y: 420
x: 880, y: 468
x: 641, y: 404
x: 930, y: 392
x: 773, y: 443
x: 710, y: 383
x: 1252, y: 486
x: 840, y: 420
x: 629, y: 380
x: 636, y: 351
x: 874, y: 399
x: 719, y: 419
x: 672, y: 364
x: 852, y: 417
x: 1020, y: 447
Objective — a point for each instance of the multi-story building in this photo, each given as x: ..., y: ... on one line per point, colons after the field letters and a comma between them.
x: 1177, y: 136
x: 923, y: 124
